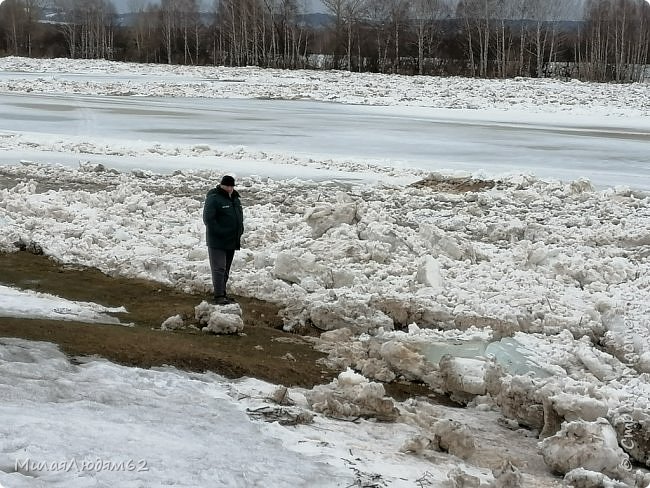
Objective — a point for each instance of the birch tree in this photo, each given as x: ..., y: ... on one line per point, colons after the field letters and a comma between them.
x: 337, y: 9
x: 378, y: 14
x: 88, y: 27
x: 544, y: 17
x: 19, y: 21
x: 13, y: 21
x: 353, y: 10
x: 169, y: 21
x: 476, y: 15
x: 422, y: 14
x: 630, y: 43
x: 190, y: 26
x: 346, y: 14
x: 145, y: 30
x: 399, y: 14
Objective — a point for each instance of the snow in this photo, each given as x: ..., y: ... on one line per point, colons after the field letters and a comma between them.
x: 528, y: 300
x: 219, y: 319
x: 100, y: 423
x: 27, y: 304
x: 596, y: 448
x: 154, y: 80
x: 320, y: 125
x: 172, y: 427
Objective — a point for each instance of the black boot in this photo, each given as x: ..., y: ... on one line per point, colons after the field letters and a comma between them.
x: 223, y: 300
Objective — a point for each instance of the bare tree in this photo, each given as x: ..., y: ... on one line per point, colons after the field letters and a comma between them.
x: 262, y: 32
x: 521, y: 13
x: 88, y: 27
x: 616, y: 40
x: 13, y: 21
x: 337, y: 9
x: 19, y: 20
x: 32, y: 9
x: 425, y: 13
x: 97, y: 29
x: 399, y: 14
x: 597, y: 42
x: 137, y: 7
x: 476, y: 20
x: 145, y: 30
x: 422, y: 14
x: 630, y: 20
x: 168, y: 24
x: 288, y: 33
x: 544, y: 17
x: 378, y: 14
x: 188, y: 25
x: 71, y: 26
x: 346, y: 12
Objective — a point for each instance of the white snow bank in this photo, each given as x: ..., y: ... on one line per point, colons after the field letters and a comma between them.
x: 118, y: 426
x: 31, y: 305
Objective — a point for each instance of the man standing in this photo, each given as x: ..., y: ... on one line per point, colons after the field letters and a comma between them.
x: 224, y: 221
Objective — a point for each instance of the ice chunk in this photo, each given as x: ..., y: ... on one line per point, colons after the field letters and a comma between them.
x: 589, y: 445
x: 463, y: 378
x: 583, y: 478
x: 403, y: 360
x: 350, y: 313
x: 434, y: 351
x: 516, y: 358
x: 429, y: 273
x: 224, y: 323
x: 507, y: 476
x: 172, y: 323
x: 325, y: 216
x: 295, y: 267
x: 455, y: 438
x: 219, y: 319
x: 352, y: 395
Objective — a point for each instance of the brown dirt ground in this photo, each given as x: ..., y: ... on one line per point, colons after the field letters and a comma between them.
x: 260, y: 352
x: 454, y: 185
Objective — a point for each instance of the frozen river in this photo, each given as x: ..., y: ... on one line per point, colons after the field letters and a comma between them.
x: 405, y: 137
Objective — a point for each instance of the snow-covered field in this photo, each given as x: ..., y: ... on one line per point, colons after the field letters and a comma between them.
x: 527, y: 301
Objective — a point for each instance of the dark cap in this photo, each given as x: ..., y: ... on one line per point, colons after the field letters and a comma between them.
x: 228, y: 180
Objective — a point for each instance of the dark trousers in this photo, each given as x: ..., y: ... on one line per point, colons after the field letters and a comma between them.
x: 220, y: 261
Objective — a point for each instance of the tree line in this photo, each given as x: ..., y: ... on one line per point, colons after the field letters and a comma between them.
x: 479, y: 38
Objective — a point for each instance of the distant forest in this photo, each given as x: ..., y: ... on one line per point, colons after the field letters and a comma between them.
x: 477, y: 38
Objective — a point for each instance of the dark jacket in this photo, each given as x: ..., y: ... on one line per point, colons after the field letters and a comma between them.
x: 223, y: 218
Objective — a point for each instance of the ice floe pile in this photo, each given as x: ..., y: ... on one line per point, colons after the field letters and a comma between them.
x: 529, y: 298
x: 112, y: 78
